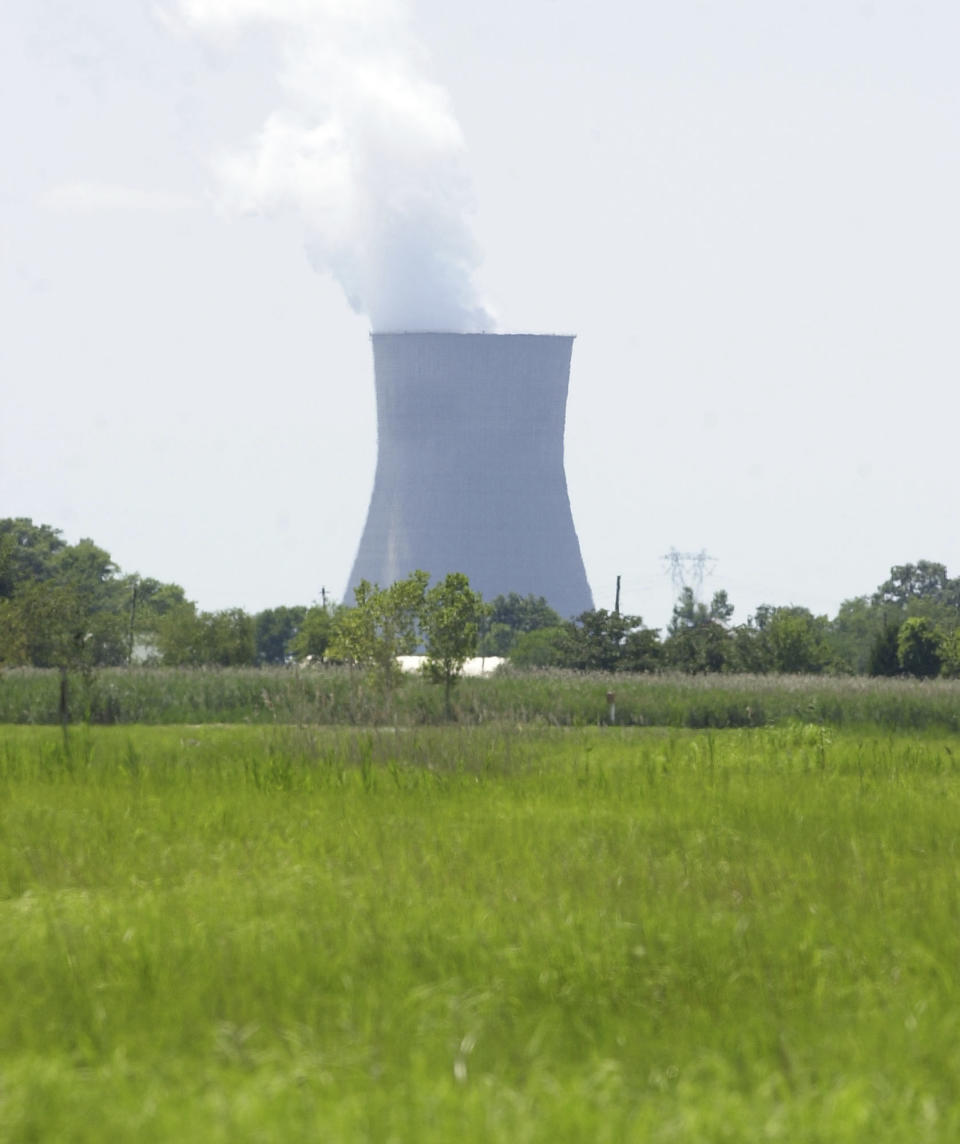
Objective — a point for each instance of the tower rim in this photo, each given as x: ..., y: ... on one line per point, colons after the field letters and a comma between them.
x: 469, y: 334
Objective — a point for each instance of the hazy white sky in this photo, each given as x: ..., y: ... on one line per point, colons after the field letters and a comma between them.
x: 745, y: 209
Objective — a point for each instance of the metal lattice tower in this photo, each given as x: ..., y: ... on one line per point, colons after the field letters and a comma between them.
x: 688, y: 570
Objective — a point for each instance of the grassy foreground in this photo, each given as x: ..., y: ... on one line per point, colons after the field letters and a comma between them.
x: 236, y: 934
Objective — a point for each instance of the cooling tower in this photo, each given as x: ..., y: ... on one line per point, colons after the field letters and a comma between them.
x: 470, y: 473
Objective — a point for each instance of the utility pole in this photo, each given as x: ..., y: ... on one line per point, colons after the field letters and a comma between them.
x: 616, y: 606
x: 133, y: 619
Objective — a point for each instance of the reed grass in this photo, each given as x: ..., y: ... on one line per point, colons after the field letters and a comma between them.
x: 339, y: 696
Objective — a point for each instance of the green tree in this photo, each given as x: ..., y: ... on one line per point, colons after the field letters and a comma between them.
x: 790, y: 640
x: 13, y: 650
x: 188, y: 638
x: 950, y: 654
x: 276, y: 631
x: 852, y: 633
x: 44, y: 625
x: 315, y: 632
x: 155, y: 598
x: 67, y: 605
x: 598, y: 640
x: 918, y: 648
x: 705, y: 647
x: 92, y: 574
x: 698, y: 639
x: 500, y: 639
x: 689, y: 612
x: 925, y: 580
x: 382, y: 625
x: 47, y: 624
x: 641, y: 650
x: 797, y: 642
x: 229, y: 638
x: 921, y: 589
x: 148, y: 601
x: 543, y: 647
x: 180, y: 636
x: 750, y: 647
x: 61, y: 602
x: 863, y: 635
x: 884, y: 657
x: 27, y: 553
x: 509, y: 616
x: 89, y: 568
x: 450, y: 618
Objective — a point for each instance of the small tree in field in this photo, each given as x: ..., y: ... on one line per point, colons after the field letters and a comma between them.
x: 380, y: 626
x: 52, y: 625
x: 450, y: 624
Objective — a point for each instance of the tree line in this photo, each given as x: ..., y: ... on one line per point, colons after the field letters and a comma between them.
x: 910, y: 626
x: 69, y: 606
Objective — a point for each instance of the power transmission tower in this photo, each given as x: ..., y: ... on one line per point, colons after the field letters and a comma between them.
x: 688, y: 569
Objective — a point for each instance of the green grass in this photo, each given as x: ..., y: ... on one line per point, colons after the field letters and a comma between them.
x: 332, y: 695
x: 435, y: 934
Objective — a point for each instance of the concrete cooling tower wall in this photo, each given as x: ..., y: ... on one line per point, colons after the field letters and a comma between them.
x: 470, y: 473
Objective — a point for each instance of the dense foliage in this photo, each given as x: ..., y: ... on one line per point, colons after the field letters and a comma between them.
x: 909, y: 627
x: 69, y: 606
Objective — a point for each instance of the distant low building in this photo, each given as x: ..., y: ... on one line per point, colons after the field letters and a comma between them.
x: 479, y: 665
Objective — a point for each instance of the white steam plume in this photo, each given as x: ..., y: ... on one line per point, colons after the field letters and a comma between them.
x: 367, y: 151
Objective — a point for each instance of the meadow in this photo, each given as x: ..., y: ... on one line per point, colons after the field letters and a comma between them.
x: 499, y: 932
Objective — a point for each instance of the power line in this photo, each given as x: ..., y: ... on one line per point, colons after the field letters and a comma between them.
x: 689, y: 569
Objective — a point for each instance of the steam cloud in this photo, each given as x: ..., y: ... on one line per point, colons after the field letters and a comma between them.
x: 367, y: 151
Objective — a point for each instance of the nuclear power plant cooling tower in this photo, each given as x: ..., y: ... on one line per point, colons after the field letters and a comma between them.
x: 470, y: 473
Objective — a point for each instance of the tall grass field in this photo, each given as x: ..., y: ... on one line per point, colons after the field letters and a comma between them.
x: 338, y: 695
x: 262, y: 933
